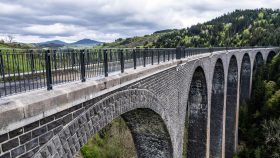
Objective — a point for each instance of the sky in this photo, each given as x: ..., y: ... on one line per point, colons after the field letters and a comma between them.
x: 32, y: 21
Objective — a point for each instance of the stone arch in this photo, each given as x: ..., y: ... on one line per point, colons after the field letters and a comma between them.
x: 231, y: 108
x: 142, y: 112
x: 217, y: 109
x: 197, y: 108
x: 270, y: 55
x: 245, y: 78
x: 258, y: 62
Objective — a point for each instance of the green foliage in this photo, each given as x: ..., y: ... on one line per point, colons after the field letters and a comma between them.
x: 113, y: 141
x: 258, y: 27
x: 274, y: 69
x: 259, y: 121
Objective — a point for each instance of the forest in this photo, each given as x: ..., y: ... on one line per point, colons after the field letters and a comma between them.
x: 258, y: 27
x: 259, y: 117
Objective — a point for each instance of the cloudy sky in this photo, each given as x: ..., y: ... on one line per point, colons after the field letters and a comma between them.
x: 107, y: 20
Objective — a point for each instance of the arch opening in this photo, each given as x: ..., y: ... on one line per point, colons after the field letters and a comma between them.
x: 258, y: 62
x: 197, y: 108
x: 150, y: 135
x: 231, y: 108
x: 142, y: 129
x: 217, y: 107
x: 245, y: 78
x: 270, y: 56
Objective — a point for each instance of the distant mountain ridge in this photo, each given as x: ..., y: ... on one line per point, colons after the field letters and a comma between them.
x: 53, y: 42
x: 59, y: 43
x: 86, y: 41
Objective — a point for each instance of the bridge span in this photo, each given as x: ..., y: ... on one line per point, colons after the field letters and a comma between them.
x: 195, y: 98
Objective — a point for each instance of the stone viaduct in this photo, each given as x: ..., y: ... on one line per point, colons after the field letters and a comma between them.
x: 194, y: 99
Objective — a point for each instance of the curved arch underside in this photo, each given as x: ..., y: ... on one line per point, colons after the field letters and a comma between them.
x: 217, y: 107
x: 149, y: 133
x: 198, y: 111
x: 258, y: 62
x: 139, y: 108
x: 245, y: 78
x: 271, y: 54
x: 231, y: 107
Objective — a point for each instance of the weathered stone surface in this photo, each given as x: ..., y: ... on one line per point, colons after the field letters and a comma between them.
x: 3, y: 137
x: 18, y: 151
x: 32, y: 144
x: 39, y: 131
x: 231, y: 107
x: 10, y: 144
x: 198, y: 110
x: 217, y: 110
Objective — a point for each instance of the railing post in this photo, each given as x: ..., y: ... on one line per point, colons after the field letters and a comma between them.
x: 210, y: 49
x: 152, y: 57
x: 3, y: 72
x: 105, y: 62
x: 122, y: 60
x: 163, y: 55
x: 73, y: 57
x: 184, y: 51
x: 32, y: 61
x: 158, y: 55
x: 83, y: 67
x: 48, y: 70
x: 134, y: 58
x: 144, y: 56
x: 168, y: 55
x: 178, y: 53
x: 54, y: 59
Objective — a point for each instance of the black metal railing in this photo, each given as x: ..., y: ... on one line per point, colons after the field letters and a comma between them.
x: 24, y: 70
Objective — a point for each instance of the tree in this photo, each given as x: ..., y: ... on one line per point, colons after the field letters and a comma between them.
x: 10, y: 38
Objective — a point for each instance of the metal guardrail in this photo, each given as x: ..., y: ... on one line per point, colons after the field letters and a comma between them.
x: 24, y: 70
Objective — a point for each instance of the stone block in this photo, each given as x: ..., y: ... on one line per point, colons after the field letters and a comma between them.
x: 25, y: 138
x: 39, y: 131
x: 17, y: 151
x: 10, y: 144
x: 32, y: 144
x: 45, y: 138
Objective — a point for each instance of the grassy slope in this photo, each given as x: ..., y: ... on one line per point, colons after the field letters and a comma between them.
x: 113, y: 141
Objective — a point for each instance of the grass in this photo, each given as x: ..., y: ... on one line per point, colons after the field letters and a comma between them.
x: 114, y: 141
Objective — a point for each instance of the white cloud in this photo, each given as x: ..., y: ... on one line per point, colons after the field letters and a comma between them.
x: 54, y: 29
x: 13, y: 9
x: 106, y: 20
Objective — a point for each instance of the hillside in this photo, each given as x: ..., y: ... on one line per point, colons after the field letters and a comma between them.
x: 147, y: 40
x: 78, y: 44
x: 14, y: 45
x: 259, y: 27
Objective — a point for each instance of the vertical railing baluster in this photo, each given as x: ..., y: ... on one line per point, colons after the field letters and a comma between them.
x: 152, y: 58
x: 158, y: 55
x: 178, y: 53
x: 163, y: 55
x: 48, y: 70
x: 105, y: 62
x: 184, y: 51
x: 83, y: 67
x: 144, y: 56
x: 122, y: 60
x: 134, y: 58
x: 3, y: 73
